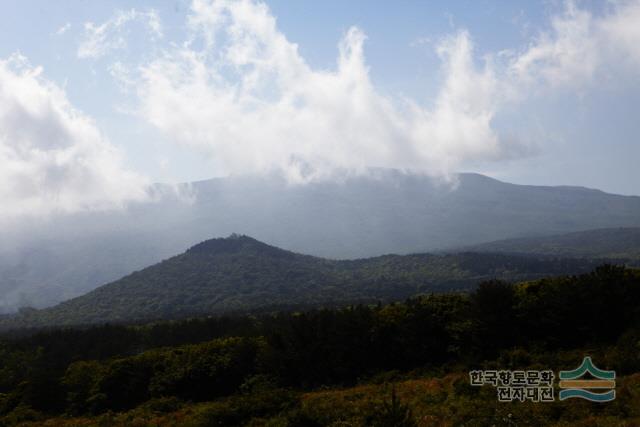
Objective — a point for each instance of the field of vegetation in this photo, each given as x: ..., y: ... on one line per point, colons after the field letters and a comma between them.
x: 397, y: 364
x: 239, y: 274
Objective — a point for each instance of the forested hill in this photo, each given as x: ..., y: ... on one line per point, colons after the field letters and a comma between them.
x: 622, y: 242
x: 384, y: 211
x: 239, y: 274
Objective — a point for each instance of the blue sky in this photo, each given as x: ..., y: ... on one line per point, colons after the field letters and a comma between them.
x: 527, y: 92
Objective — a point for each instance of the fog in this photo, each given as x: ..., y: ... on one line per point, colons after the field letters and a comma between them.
x: 45, y: 261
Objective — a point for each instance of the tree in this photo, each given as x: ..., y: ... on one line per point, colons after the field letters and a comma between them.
x: 393, y: 413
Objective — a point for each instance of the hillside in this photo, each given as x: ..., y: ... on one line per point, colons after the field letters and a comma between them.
x: 334, y: 367
x: 620, y: 243
x: 239, y: 273
x: 386, y: 211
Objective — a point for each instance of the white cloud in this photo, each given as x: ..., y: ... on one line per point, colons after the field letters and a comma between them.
x: 248, y: 98
x: 101, y: 39
x: 621, y: 31
x: 53, y: 157
x: 580, y: 47
x: 239, y: 91
x: 63, y: 29
x: 565, y: 56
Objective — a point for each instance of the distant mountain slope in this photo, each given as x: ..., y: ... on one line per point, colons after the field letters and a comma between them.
x: 621, y: 243
x: 240, y: 273
x: 359, y: 216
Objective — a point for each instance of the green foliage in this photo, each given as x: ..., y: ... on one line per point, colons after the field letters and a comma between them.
x: 493, y: 309
x: 120, y: 374
x: 204, y: 371
x: 240, y: 409
x: 621, y: 244
x: 81, y: 382
x: 240, y: 274
x: 393, y: 413
x: 194, y: 372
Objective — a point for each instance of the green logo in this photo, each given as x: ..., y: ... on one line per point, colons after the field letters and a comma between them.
x: 573, y: 386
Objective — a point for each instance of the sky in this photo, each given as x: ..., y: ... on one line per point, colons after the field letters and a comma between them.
x: 99, y: 99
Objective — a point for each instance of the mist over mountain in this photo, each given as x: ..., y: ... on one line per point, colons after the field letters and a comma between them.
x: 620, y: 243
x: 240, y: 274
x: 46, y: 261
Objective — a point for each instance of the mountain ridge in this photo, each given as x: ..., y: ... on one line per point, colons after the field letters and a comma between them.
x: 386, y: 211
x: 618, y: 242
x: 242, y: 274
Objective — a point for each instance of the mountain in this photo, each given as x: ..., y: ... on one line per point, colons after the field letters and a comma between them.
x: 386, y: 211
x: 240, y: 273
x: 619, y: 243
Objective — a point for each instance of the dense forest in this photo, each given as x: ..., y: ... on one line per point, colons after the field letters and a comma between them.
x: 380, y: 212
x: 394, y: 364
x: 616, y: 243
x: 239, y: 274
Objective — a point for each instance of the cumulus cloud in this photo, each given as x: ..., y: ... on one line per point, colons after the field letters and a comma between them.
x: 239, y: 90
x: 579, y: 47
x: 53, y: 157
x: 100, y: 39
